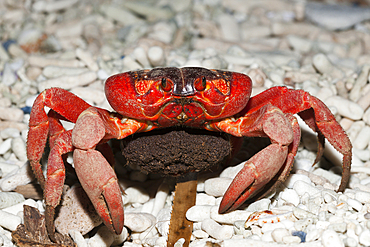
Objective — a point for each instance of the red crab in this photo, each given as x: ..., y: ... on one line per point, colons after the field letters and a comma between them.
x: 148, y: 99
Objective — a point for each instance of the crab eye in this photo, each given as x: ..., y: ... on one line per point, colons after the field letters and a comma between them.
x: 166, y: 85
x: 200, y: 84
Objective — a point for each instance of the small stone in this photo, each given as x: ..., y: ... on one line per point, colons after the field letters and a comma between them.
x: 260, y: 205
x: 204, y: 199
x: 345, y: 107
x: 229, y: 27
x: 291, y: 240
x: 199, y: 213
x: 216, y: 186
x: 5, y: 146
x: 76, y: 212
x: 104, y: 237
x: 217, y: 231
x: 135, y: 194
x: 330, y: 238
x: 324, y: 66
x: 364, y: 237
x: 363, y: 138
x: 336, y: 16
x: 9, y: 133
x: 266, y: 227
x: 11, y: 114
x: 291, y: 196
x: 302, y: 187
x: 338, y: 227
x: 139, y: 222
x: 296, y: 177
x: 156, y: 56
x: 355, y: 204
x: 200, y: 234
x: 230, y: 217
x: 8, y: 199
x: 279, y: 233
x: 299, y: 44
x: 68, y: 81
x: 19, y: 148
x: 362, y: 196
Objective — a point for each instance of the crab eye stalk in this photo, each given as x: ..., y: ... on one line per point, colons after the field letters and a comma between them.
x: 166, y: 85
x: 200, y: 83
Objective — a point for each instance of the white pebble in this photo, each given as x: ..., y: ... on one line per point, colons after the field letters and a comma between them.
x: 291, y: 196
x: 199, y: 213
x: 7, y: 167
x: 231, y: 171
x: 216, y: 186
x: 89, y: 94
x: 87, y: 58
x: 135, y: 194
x: 299, y: 43
x: 330, y: 238
x: 296, y: 177
x: 301, y: 213
x: 362, y: 196
x: 363, y: 138
x: 229, y: 27
x: 200, y: 234
x: 119, y: 239
x: 5, y: 146
x: 163, y: 221
x: 9, y: 221
x: 77, y: 238
x: 279, y: 233
x: 360, y: 82
x: 104, y: 237
x: 302, y: 187
x: 156, y: 56
x: 11, y: 114
x: 46, y: 6
x: 355, y: 204
x: 291, y: 240
x: 345, y: 107
x: 19, y: 148
x: 260, y: 205
x: 364, y: 237
x: 57, y: 71
x: 139, y: 222
x: 68, y: 81
x: 16, y: 208
x: 42, y: 61
x: 8, y: 199
x: 324, y: 66
x: 141, y: 57
x: 332, y: 177
x: 338, y: 227
x: 266, y: 227
x: 312, y: 233
x: 228, y: 218
x: 160, y: 198
x: 21, y: 176
x: 217, y: 231
x: 204, y: 199
x: 9, y: 133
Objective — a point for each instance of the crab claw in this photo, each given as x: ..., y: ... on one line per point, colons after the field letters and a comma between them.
x: 256, y: 173
x: 102, y: 188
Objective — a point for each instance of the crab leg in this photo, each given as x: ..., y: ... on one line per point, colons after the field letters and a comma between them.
x: 66, y: 104
x: 102, y: 188
x: 262, y: 167
x: 316, y: 115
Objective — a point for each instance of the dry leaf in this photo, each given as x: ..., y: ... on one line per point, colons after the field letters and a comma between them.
x: 33, y: 232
